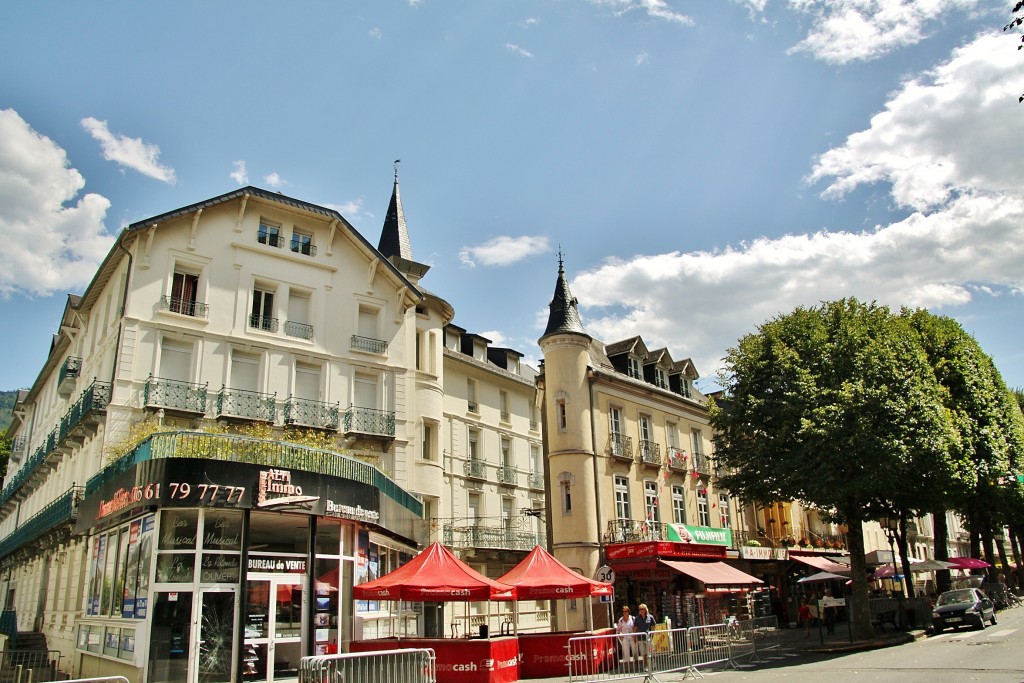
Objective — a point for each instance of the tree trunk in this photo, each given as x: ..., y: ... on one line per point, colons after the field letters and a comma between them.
x: 901, y: 542
x: 941, y: 531
x: 1004, y: 562
x: 1015, y: 544
x: 990, y: 557
x: 860, y: 610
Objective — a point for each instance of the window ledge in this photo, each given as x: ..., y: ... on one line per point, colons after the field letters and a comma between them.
x: 178, y: 316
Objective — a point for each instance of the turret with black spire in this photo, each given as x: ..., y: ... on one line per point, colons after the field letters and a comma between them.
x: 563, y: 316
x: 394, y: 237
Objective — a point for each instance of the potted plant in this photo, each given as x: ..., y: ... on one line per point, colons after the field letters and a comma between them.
x: 754, y: 543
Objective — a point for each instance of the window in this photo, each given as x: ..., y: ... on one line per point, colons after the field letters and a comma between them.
x: 473, y: 449
x: 307, y: 382
x: 633, y: 367
x: 615, y: 421
x: 302, y: 243
x: 703, y: 517
x: 473, y: 509
x: 696, y: 441
x: 565, y: 482
x: 183, y: 293
x: 472, y: 405
x: 724, y: 511
x: 646, y: 444
x: 678, y: 505
x: 622, y: 511
x: 427, y: 447
x: 560, y: 415
x: 297, y: 324
x: 269, y: 234
x: 506, y: 452
x: 262, y: 314
x: 503, y: 405
x: 175, y: 360
x: 536, y: 465
x: 364, y: 392
x: 244, y: 371
x: 651, y: 508
x: 660, y: 378
x: 672, y: 434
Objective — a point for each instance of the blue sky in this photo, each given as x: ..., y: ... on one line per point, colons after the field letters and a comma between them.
x: 704, y: 165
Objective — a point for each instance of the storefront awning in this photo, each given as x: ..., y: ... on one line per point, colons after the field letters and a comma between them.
x: 822, y: 563
x: 713, y: 573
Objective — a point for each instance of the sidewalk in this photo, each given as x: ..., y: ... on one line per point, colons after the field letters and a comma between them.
x: 794, y: 640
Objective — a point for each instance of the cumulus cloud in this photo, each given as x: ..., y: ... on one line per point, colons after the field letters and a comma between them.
x: 50, y: 244
x: 350, y: 210
x: 239, y: 174
x: 275, y: 180
x: 375, y: 33
x: 940, y: 144
x: 503, y: 250
x: 516, y: 50
x: 860, y: 30
x: 656, y: 9
x: 129, y: 152
x: 641, y: 58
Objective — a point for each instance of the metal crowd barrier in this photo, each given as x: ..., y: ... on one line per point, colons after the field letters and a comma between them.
x: 389, y: 666
x: 608, y: 657
x: 24, y: 666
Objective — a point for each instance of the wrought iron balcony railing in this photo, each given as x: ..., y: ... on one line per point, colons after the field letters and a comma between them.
x: 301, y: 247
x: 630, y: 530
x: 190, y: 307
x: 71, y: 369
x: 701, y: 463
x: 475, y: 468
x: 620, y: 446
x: 18, y: 445
x: 298, y: 330
x: 537, y: 481
x: 303, y: 412
x: 265, y: 452
x: 534, y: 426
x: 263, y: 322
x: 676, y: 458
x: 472, y: 406
x: 502, y: 538
x: 507, y: 474
x: 504, y: 416
x: 249, y: 405
x: 59, y: 511
x: 272, y: 239
x: 650, y: 452
x: 368, y: 344
x: 172, y: 394
x: 370, y: 421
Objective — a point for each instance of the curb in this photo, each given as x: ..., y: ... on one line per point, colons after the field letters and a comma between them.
x: 860, y: 646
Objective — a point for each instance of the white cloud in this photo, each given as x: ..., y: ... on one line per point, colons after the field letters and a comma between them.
x: 239, y: 174
x: 375, y: 33
x: 50, y: 245
x: 350, y: 210
x: 657, y: 9
x: 641, y: 58
x: 129, y: 152
x: 941, y: 134
x: 275, y: 180
x: 860, y: 30
x: 947, y: 146
x: 516, y: 50
x: 504, y: 250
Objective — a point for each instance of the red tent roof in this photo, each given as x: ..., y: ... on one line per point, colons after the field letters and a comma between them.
x: 541, y: 577
x: 435, y: 575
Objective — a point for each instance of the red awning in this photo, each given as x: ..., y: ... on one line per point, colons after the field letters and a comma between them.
x: 822, y: 563
x: 541, y: 577
x: 713, y: 573
x: 435, y: 575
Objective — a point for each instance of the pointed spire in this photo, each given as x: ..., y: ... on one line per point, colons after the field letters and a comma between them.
x: 564, y: 316
x: 394, y: 237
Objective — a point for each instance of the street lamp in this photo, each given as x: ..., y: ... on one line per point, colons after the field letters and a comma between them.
x: 889, y: 526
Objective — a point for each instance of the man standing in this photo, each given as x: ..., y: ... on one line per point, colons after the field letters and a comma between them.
x: 627, y: 639
x: 643, y: 625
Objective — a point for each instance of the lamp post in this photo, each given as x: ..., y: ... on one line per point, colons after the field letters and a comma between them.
x: 889, y: 526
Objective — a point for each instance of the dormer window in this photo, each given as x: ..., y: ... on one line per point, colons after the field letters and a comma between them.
x: 633, y: 367
x: 660, y: 378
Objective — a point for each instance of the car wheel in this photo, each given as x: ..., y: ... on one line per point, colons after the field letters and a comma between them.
x: 993, y: 617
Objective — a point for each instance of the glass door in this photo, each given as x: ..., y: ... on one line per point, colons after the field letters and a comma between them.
x: 216, y: 635
x: 169, y: 637
x: 275, y: 612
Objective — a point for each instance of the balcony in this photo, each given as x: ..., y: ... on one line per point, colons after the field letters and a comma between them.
x: 473, y: 407
x: 263, y: 322
x: 18, y: 447
x: 368, y: 345
x: 701, y: 463
x: 475, y: 468
x: 676, y: 459
x: 508, y: 475
x: 620, y: 446
x: 650, y: 452
x: 82, y: 418
x: 273, y: 239
x: 246, y: 405
x: 68, y: 375
x: 263, y: 452
x: 370, y: 422
x: 488, y: 537
x: 303, y: 412
x: 632, y: 530
x: 172, y: 394
x: 298, y: 330
x: 189, y: 307
x: 504, y: 416
x: 534, y: 426
x: 61, y: 511
x: 300, y: 246
x: 537, y: 481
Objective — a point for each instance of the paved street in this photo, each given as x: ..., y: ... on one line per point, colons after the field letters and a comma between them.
x: 994, y: 654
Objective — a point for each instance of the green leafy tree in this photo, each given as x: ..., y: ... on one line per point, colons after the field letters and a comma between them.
x: 835, y: 406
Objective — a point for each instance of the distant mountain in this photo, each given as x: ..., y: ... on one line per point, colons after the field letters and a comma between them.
x: 7, y: 399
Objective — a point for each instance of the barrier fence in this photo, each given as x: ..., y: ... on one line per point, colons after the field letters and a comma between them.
x: 617, y: 657
x: 25, y: 666
x: 389, y: 666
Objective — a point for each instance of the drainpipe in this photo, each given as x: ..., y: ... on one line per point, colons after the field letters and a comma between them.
x: 124, y: 303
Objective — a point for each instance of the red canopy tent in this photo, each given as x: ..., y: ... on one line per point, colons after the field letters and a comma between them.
x: 435, y: 575
x: 539, y: 576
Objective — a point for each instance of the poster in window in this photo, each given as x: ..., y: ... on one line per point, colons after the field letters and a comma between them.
x: 145, y: 557
x: 131, y: 578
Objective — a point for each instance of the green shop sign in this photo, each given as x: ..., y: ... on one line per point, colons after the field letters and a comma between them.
x: 685, y: 533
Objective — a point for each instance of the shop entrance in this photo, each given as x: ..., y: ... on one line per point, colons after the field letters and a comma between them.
x: 216, y: 635
x: 276, y: 609
x: 187, y: 646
